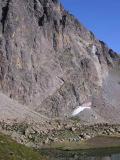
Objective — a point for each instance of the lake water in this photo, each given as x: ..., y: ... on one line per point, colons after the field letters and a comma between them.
x: 92, y: 154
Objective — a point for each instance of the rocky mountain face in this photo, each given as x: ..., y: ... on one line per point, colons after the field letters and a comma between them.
x: 52, y: 63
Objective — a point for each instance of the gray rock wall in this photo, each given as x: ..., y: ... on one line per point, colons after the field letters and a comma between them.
x: 48, y: 60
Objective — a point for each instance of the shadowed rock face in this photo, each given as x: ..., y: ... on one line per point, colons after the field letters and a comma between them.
x: 48, y: 60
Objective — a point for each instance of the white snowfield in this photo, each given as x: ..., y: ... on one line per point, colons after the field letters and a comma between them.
x: 81, y: 108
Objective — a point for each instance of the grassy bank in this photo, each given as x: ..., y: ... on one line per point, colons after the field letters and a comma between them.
x: 10, y: 150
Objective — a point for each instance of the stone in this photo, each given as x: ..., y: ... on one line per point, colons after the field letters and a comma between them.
x: 73, y: 129
x: 51, y: 139
x: 70, y: 139
x: 117, y: 129
x: 55, y: 139
x: 81, y: 135
x: 112, y: 130
x: 29, y: 131
x: 23, y: 139
x: 30, y: 136
x: 46, y: 141
x: 86, y: 136
x: 104, y: 133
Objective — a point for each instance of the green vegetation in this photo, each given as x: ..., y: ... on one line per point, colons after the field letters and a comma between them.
x: 10, y: 150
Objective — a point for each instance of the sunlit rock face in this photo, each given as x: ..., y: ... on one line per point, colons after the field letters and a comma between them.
x: 48, y: 60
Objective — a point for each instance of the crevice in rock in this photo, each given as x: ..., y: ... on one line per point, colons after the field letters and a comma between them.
x: 55, y: 1
x: 98, y: 55
x: 4, y: 15
x: 46, y: 12
x: 2, y: 66
x: 63, y: 21
x: 35, y: 5
x: 84, y: 63
x: 75, y: 94
x: 54, y: 41
x: 61, y: 79
x: 56, y: 26
x: 6, y: 50
x: 41, y: 21
x: 36, y: 77
x: 108, y: 61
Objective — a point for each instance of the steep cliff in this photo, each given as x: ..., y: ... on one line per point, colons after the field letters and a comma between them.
x: 52, y: 63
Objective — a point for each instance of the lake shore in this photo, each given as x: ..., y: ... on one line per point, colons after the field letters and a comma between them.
x: 99, y: 142
x: 65, y: 136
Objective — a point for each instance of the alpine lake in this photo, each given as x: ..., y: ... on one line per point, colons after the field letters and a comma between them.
x: 98, y: 148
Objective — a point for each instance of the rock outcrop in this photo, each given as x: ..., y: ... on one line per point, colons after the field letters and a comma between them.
x: 52, y: 63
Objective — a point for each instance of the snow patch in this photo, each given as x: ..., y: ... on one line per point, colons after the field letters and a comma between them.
x: 81, y: 108
x: 94, y: 49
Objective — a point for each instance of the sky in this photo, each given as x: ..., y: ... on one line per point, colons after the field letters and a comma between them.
x: 102, y: 17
